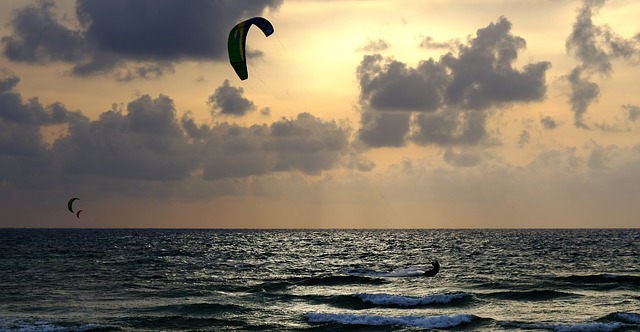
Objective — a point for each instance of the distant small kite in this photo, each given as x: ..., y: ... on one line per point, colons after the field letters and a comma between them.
x: 237, y: 41
x: 70, y: 204
x: 70, y: 207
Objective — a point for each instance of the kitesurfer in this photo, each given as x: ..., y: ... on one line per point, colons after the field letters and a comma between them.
x: 434, y: 269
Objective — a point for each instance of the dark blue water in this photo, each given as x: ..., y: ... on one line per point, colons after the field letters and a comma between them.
x: 274, y: 280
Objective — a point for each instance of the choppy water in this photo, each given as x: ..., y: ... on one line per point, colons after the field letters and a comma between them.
x: 274, y: 280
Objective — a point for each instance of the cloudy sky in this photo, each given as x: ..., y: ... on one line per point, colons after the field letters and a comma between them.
x: 356, y: 114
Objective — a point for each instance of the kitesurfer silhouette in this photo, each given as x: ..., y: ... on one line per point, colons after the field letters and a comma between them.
x: 434, y: 269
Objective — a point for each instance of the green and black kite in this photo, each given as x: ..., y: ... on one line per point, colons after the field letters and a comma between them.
x: 237, y: 40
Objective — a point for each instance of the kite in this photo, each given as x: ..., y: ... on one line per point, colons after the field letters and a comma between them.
x: 237, y: 41
x: 70, y: 203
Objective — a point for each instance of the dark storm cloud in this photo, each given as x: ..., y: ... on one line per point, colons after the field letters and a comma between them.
x: 483, y: 75
x: 39, y: 37
x: 389, y: 85
x: 596, y: 47
x: 25, y: 158
x: 145, y: 148
x: 114, y: 34
x: 548, y: 122
x: 165, y: 29
x: 229, y: 100
x: 194, y: 131
x: 384, y: 128
x: 144, y: 143
x: 14, y: 110
x: 449, y: 127
x: 306, y: 144
x: 449, y: 97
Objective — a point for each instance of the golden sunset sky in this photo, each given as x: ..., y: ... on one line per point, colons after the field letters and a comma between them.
x: 356, y: 114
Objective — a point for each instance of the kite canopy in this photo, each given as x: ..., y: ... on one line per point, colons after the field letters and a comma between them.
x: 237, y: 41
x: 70, y: 203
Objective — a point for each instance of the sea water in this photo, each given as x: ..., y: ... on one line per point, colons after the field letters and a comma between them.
x: 278, y: 280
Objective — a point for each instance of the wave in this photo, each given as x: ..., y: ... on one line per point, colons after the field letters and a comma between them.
x: 618, y: 321
x: 391, y: 300
x: 178, y: 322
x: 623, y: 317
x: 580, y: 327
x: 332, y: 280
x: 431, y: 322
x: 360, y: 301
x: 8, y: 324
x: 601, y: 279
x: 197, y: 308
x: 405, y: 272
x: 326, y: 280
x: 533, y: 295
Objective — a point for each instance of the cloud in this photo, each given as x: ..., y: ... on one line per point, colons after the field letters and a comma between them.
x: 14, y: 110
x: 265, y: 111
x: 600, y: 157
x: 583, y: 93
x: 556, y: 161
x: 524, y: 138
x: 145, y: 142
x: 428, y: 43
x: 305, y: 144
x: 389, y: 85
x: 133, y: 38
x: 229, y: 100
x: 25, y: 157
x: 548, y: 122
x: 618, y: 123
x: 633, y: 112
x: 462, y: 158
x: 375, y: 46
x: 38, y: 36
x: 596, y: 47
x: 152, y: 70
x: 383, y: 128
x: 144, y: 148
x: 449, y: 98
x: 449, y: 127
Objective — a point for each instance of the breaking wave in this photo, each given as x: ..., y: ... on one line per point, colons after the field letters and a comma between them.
x: 391, y: 300
x: 429, y: 322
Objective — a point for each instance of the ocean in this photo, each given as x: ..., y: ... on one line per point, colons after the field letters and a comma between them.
x: 319, y: 280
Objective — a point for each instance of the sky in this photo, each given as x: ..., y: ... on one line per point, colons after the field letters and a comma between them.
x: 356, y: 114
